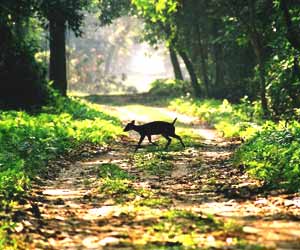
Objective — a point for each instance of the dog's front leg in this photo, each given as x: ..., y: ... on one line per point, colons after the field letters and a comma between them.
x: 140, y: 142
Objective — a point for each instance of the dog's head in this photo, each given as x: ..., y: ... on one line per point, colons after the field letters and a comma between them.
x: 129, y: 126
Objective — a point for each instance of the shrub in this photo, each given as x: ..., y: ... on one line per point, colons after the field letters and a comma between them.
x: 28, y: 142
x: 273, y: 155
x: 170, y: 88
x: 22, y: 78
x: 272, y: 150
x: 232, y: 120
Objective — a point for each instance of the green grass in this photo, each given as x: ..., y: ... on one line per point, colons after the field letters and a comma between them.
x: 273, y: 155
x: 29, y: 141
x: 154, y: 163
x: 153, y: 202
x: 118, y: 184
x: 182, y: 229
x: 271, y: 152
x: 239, y: 120
x: 112, y: 171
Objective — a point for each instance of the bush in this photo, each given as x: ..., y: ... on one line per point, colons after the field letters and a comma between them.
x: 22, y: 78
x: 170, y: 88
x: 28, y: 142
x: 272, y: 150
x: 232, y: 120
x: 273, y: 155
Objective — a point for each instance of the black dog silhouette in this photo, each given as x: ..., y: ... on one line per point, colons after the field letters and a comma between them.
x: 165, y: 129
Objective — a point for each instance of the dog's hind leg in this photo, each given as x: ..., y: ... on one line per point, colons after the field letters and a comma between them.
x: 179, y: 138
x: 169, y: 141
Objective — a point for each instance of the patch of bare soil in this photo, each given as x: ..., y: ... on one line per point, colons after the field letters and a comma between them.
x: 71, y: 211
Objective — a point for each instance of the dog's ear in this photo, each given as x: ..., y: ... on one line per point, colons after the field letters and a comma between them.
x: 132, y: 122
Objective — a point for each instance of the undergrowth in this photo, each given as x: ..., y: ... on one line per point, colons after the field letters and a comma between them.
x: 273, y: 155
x: 239, y: 120
x: 154, y: 163
x: 29, y: 141
x: 271, y: 150
x: 118, y: 184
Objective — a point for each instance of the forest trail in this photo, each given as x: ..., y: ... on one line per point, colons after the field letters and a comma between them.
x: 190, y: 198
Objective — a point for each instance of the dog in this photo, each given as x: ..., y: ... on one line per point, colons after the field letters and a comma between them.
x: 165, y: 129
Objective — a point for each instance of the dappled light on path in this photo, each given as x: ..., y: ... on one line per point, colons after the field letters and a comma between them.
x: 192, y: 198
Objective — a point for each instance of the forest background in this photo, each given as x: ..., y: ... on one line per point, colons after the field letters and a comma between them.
x: 234, y: 64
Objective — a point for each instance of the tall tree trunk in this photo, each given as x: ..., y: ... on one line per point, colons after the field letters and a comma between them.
x: 191, y: 70
x: 292, y: 34
x: 262, y: 73
x: 258, y: 47
x: 261, y: 68
x: 175, y: 64
x: 203, y: 61
x: 292, y: 31
x: 21, y: 28
x: 218, y: 58
x: 109, y: 60
x: 219, y: 67
x: 57, y: 71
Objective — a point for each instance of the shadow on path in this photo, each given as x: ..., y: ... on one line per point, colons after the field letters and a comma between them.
x: 166, y: 209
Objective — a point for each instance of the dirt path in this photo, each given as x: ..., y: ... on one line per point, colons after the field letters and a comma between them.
x: 166, y: 205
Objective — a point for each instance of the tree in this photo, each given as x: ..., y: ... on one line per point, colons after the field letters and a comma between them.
x: 161, y: 24
x: 175, y: 64
x: 22, y: 78
x: 253, y: 17
x: 292, y: 29
x: 22, y: 83
x: 60, y: 15
x: 57, y: 67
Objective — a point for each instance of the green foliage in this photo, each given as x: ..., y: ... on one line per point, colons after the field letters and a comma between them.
x: 273, y: 155
x: 283, y: 88
x: 233, y: 120
x: 28, y: 141
x: 113, y: 171
x: 170, y: 88
x: 19, y: 72
x: 118, y: 184
x: 155, y: 163
x: 153, y: 202
x: 156, y: 11
x: 117, y: 187
x: 271, y: 152
x: 6, y: 243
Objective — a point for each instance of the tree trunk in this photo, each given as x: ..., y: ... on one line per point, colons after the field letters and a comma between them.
x: 58, y: 72
x: 258, y: 50
x: 258, y: 47
x: 191, y: 70
x: 292, y: 31
x: 203, y: 62
x: 109, y: 60
x: 219, y: 67
x: 175, y: 64
x: 264, y: 102
x: 21, y: 28
x: 218, y: 59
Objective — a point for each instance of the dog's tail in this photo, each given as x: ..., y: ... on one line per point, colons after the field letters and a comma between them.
x: 174, y: 121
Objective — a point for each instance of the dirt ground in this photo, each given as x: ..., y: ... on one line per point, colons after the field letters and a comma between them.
x: 197, y: 198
